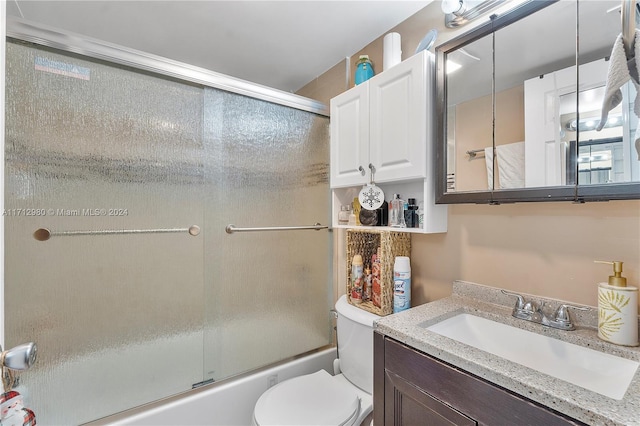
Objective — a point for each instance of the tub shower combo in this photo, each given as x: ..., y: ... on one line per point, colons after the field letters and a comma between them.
x: 129, y: 179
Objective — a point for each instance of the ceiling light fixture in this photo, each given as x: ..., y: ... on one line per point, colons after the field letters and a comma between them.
x: 587, y: 124
x: 456, y: 7
x: 461, y: 12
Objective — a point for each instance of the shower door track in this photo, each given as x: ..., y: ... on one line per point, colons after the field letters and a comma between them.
x: 36, y: 33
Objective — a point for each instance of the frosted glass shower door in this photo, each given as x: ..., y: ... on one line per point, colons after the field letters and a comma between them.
x: 267, y: 293
x: 118, y: 319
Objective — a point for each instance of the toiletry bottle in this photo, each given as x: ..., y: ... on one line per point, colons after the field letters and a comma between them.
x: 343, y: 216
x: 364, y: 70
x: 357, y: 280
x: 401, y: 284
x: 376, y: 288
x: 617, y: 309
x: 411, y: 214
x: 356, y: 210
x: 383, y: 214
x: 396, y: 213
x: 368, y: 217
x: 352, y: 218
x: 366, y: 295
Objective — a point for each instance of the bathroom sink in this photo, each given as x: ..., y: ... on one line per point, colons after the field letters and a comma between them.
x: 599, y: 372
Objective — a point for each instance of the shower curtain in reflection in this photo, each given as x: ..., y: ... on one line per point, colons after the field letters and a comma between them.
x: 122, y: 320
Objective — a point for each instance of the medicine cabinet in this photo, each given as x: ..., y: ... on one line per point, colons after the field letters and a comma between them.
x: 519, y: 100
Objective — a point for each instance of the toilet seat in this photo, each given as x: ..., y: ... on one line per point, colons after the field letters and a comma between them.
x: 313, y: 399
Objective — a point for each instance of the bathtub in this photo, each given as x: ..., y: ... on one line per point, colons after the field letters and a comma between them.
x: 226, y: 403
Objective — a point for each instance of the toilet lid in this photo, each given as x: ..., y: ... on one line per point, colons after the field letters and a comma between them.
x: 316, y: 399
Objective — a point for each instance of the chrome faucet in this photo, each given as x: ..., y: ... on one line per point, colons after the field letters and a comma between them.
x: 530, y: 311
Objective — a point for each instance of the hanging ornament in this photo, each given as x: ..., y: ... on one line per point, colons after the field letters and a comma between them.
x: 371, y: 196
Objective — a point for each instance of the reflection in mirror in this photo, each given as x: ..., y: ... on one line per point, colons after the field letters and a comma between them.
x: 469, y: 116
x: 523, y: 116
x: 599, y: 157
x: 535, y: 67
x: 608, y: 155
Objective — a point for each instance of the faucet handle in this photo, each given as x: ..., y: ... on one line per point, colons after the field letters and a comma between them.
x: 532, y: 307
x: 562, y: 313
x: 520, y: 300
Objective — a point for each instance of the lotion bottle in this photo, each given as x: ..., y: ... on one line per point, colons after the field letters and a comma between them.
x: 357, y: 280
x: 617, y: 309
x: 364, y: 70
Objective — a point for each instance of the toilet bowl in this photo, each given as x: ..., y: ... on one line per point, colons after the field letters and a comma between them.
x: 343, y: 399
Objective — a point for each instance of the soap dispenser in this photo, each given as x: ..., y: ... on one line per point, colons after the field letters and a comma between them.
x: 617, y: 309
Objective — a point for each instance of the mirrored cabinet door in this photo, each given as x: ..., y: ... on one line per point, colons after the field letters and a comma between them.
x: 521, y: 113
x: 534, y: 71
x: 603, y: 138
x: 469, y: 123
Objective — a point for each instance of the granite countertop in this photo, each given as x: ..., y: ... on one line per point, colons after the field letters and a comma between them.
x: 410, y: 328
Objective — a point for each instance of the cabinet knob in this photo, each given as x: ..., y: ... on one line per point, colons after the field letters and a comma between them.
x: 361, y: 169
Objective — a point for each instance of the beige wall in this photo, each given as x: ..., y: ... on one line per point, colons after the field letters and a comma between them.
x: 540, y: 248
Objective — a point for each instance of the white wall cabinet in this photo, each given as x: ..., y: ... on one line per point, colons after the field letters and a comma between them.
x: 350, y: 137
x: 383, y: 122
x: 399, y: 107
x: 386, y: 125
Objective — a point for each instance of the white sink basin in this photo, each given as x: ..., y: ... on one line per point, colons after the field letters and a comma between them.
x: 605, y: 374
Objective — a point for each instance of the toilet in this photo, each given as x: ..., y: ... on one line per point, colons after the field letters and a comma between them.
x: 343, y: 399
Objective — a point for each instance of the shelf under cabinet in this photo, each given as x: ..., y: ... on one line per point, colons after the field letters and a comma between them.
x: 382, y: 228
x: 435, y: 216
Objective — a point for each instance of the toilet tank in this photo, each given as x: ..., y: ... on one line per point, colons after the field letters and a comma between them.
x: 355, y: 344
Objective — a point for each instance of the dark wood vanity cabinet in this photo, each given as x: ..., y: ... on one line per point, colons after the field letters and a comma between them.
x: 412, y: 388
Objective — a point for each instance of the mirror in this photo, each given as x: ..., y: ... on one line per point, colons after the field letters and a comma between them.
x: 519, y: 106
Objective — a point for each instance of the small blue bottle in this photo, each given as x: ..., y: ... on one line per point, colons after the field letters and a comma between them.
x: 364, y: 69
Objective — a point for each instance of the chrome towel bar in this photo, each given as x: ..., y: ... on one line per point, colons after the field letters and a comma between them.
x: 628, y: 12
x: 474, y: 152
x: 43, y: 234
x: 232, y: 228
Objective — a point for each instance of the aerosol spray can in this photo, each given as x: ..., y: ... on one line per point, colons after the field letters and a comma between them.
x: 401, y: 284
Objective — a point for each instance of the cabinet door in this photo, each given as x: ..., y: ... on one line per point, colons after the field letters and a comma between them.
x: 350, y: 137
x: 400, y: 116
x: 406, y: 404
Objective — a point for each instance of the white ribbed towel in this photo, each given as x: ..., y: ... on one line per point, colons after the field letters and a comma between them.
x: 617, y: 76
x: 620, y: 71
x: 511, y: 165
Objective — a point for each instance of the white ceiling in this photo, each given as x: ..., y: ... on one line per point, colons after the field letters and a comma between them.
x: 280, y: 44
